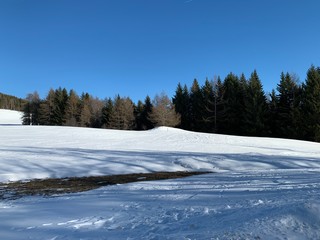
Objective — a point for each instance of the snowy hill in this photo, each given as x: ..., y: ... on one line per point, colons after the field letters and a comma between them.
x: 260, y: 188
x: 8, y: 117
x: 40, y: 152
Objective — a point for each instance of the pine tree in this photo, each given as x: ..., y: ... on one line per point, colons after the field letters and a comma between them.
x: 232, y: 100
x: 138, y: 110
x: 256, y: 108
x: 145, y: 115
x: 181, y: 101
x: 196, y: 106
x: 60, y: 103
x: 287, y: 89
x: 272, y: 119
x: 47, y: 109
x: 106, y: 113
x: 311, y: 105
x: 208, y: 96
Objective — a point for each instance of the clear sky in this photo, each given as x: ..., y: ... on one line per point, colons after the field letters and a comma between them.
x: 142, y: 47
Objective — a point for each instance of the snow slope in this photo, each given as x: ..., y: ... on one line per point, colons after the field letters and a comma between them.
x: 9, y: 117
x: 261, y: 188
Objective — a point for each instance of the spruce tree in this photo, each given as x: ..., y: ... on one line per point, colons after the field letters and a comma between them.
x: 311, y: 105
x: 256, y: 108
x: 232, y: 105
x: 106, y: 113
x: 181, y: 101
x: 208, y: 97
x: 138, y: 110
x: 47, y: 109
x: 145, y: 115
x: 287, y: 90
x: 196, y: 107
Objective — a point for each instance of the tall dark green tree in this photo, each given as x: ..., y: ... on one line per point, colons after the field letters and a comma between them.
x: 311, y: 105
x: 232, y: 112
x: 287, y: 91
x: 47, y: 109
x: 208, y: 97
x: 256, y: 108
x: 60, y: 103
x: 138, y: 110
x: 181, y: 101
x: 145, y: 115
x: 106, y: 112
x: 272, y: 119
x: 196, y: 107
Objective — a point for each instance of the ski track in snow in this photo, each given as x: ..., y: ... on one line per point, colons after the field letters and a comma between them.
x: 260, y: 188
x: 211, y: 206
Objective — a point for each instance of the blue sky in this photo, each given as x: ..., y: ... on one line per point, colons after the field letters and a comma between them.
x: 142, y: 47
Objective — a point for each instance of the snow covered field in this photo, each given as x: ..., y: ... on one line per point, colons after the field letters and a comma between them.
x: 260, y: 188
x: 10, y: 117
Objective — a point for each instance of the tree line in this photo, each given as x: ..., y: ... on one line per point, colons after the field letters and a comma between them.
x: 239, y: 106
x: 11, y: 102
x: 235, y: 105
x: 63, y: 108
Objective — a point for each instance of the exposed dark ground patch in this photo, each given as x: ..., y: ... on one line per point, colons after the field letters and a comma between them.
x: 53, y: 186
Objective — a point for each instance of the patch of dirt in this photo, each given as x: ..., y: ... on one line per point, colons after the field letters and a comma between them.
x: 53, y: 186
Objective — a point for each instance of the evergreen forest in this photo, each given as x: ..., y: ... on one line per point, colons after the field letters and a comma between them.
x: 235, y: 105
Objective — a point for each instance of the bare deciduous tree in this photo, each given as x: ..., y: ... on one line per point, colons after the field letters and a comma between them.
x: 163, y: 112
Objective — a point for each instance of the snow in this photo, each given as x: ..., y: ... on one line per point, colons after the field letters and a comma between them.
x: 10, y: 117
x: 259, y: 188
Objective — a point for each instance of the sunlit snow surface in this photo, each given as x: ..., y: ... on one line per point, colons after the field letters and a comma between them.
x: 261, y: 188
x: 10, y: 117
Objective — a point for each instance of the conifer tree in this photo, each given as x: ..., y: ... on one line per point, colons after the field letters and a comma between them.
x: 232, y: 105
x: 181, y: 101
x: 287, y: 90
x: 208, y: 96
x: 47, y: 109
x: 256, y: 108
x: 145, y: 115
x: 311, y: 105
x: 59, y: 107
x: 106, y: 113
x: 196, y: 106
x: 138, y: 111
x: 272, y: 119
